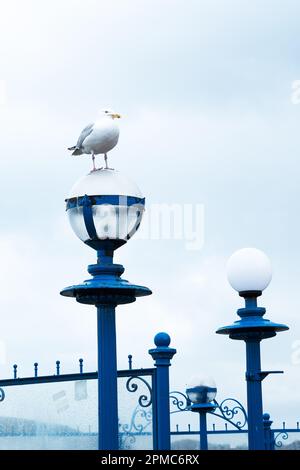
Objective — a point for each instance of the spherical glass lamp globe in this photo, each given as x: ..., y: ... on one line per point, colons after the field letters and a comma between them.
x: 105, y: 205
x: 249, y: 270
x: 201, y: 390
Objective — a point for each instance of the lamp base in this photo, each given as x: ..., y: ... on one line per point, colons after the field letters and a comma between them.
x: 250, y: 327
x: 203, y: 407
x: 106, y: 287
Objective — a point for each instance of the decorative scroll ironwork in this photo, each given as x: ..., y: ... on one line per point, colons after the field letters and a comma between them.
x: 279, y: 437
x: 2, y: 394
x: 180, y: 401
x: 144, y: 400
x: 232, y: 411
x: 141, y: 420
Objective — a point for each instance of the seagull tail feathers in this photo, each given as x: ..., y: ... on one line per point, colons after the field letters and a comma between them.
x: 77, y: 151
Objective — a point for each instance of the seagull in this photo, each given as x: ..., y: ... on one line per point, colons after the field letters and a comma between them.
x: 98, y: 137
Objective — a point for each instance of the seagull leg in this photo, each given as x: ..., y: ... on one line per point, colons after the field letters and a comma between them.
x: 93, y: 158
x: 94, y: 166
x: 106, y: 165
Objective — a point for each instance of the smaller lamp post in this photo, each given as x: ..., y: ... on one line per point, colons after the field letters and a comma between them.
x: 201, y: 393
x: 249, y: 273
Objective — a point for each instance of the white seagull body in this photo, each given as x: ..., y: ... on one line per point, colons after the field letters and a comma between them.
x: 98, y: 137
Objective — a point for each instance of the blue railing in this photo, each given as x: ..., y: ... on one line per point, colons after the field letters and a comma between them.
x: 143, y: 421
x: 140, y: 382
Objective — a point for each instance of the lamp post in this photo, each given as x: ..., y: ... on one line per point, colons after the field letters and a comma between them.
x: 105, y: 209
x: 249, y: 273
x: 201, y: 393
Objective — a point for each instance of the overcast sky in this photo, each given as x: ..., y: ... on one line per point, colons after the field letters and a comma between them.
x: 205, y: 91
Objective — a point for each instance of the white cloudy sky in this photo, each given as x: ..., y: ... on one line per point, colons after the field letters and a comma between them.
x: 205, y: 91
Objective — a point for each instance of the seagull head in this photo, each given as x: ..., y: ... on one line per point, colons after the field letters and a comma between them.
x: 109, y: 113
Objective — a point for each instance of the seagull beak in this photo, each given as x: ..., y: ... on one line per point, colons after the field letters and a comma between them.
x: 116, y: 116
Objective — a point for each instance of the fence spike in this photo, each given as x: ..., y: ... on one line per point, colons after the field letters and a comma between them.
x: 57, y: 367
x: 130, y: 361
x: 15, y: 370
x: 36, y: 369
x: 81, y: 366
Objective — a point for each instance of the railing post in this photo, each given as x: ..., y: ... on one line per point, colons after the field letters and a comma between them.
x: 162, y: 356
x: 269, y: 437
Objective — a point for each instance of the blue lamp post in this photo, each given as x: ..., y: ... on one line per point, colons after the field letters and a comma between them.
x: 201, y: 393
x: 105, y: 209
x: 249, y: 273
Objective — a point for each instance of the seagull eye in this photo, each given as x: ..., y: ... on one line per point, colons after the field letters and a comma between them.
x: 106, y: 112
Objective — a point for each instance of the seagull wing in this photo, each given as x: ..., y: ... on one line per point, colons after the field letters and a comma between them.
x: 84, y: 133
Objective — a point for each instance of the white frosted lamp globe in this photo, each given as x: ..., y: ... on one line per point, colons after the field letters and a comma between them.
x: 249, y: 269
